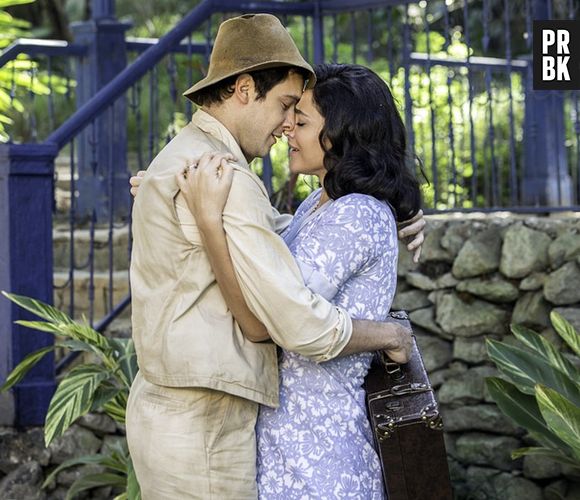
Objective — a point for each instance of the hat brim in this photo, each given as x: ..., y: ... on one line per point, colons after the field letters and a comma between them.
x: 211, y: 80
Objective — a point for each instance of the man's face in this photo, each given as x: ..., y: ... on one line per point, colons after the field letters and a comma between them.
x: 266, y: 119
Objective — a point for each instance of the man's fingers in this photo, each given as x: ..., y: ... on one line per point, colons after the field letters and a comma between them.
x: 412, y: 228
x: 400, y: 343
x: 135, y: 181
x: 417, y: 242
x: 417, y: 255
x: 415, y: 218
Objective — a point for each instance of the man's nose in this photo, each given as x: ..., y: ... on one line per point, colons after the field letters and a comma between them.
x: 289, y: 132
x: 290, y: 120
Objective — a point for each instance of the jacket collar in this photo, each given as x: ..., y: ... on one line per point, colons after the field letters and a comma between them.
x: 211, y: 126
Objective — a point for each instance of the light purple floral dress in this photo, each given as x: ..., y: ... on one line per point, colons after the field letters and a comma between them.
x: 318, y: 443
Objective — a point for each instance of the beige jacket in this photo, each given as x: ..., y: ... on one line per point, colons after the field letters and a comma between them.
x: 184, y: 333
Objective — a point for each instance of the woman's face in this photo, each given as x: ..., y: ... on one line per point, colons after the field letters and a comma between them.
x: 305, y: 153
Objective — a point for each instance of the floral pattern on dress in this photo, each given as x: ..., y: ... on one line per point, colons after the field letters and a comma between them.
x: 318, y: 444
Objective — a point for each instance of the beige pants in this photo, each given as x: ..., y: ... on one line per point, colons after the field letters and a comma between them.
x: 191, y: 442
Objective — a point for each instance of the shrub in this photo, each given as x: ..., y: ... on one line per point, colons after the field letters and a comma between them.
x: 95, y: 386
x: 542, y: 391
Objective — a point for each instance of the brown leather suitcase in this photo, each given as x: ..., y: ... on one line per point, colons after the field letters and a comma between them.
x: 407, y: 427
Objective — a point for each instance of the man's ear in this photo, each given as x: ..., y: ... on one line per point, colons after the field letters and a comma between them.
x: 244, y: 88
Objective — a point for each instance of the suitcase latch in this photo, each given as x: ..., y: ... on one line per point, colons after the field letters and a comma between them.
x: 412, y: 388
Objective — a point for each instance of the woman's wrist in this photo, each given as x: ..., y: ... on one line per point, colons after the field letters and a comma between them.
x: 209, y: 221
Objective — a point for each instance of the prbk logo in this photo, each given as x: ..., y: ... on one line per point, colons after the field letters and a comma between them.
x: 556, y: 55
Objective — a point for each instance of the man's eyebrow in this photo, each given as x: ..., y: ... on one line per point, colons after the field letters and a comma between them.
x: 294, y: 98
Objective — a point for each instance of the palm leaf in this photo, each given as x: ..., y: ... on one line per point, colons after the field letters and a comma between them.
x: 566, y: 331
x: 96, y: 459
x: 115, y: 409
x: 555, y: 455
x: 74, y: 342
x: 523, y: 410
x: 527, y: 369
x: 119, y: 458
x: 133, y: 489
x: 127, y: 359
x: 84, y: 332
x: 562, y: 417
x: 41, y: 326
x: 104, y: 393
x: 45, y: 311
x: 22, y: 368
x: 76, y: 345
x: 97, y: 480
x: 546, y: 349
x: 72, y: 399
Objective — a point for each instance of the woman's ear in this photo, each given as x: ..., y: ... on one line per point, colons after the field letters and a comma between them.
x: 324, y: 141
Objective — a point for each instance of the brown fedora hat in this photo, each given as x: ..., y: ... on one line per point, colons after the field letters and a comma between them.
x: 248, y: 43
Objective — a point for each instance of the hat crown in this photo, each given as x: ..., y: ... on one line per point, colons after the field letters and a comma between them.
x: 251, y: 39
x: 248, y: 43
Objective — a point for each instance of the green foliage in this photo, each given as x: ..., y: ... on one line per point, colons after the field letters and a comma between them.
x: 102, y: 385
x: 10, y: 29
x: 460, y: 141
x: 21, y: 77
x: 445, y: 121
x: 120, y: 473
x: 542, y: 390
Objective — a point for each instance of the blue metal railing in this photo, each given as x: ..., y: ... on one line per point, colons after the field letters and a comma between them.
x: 34, y: 47
x: 467, y: 111
x: 448, y: 188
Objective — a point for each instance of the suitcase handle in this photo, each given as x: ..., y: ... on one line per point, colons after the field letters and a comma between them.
x: 394, y: 369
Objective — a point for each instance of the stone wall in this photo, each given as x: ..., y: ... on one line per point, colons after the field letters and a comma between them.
x: 25, y: 462
x: 477, y: 275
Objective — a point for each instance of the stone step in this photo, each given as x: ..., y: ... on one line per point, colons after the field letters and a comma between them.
x: 62, y: 288
x: 62, y: 167
x: 82, y: 245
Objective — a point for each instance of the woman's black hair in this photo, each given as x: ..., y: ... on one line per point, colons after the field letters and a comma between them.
x: 364, y: 138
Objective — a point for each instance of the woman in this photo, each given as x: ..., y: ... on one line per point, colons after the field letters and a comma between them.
x: 348, y: 132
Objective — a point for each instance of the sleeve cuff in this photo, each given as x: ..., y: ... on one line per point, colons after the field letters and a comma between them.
x: 342, y: 335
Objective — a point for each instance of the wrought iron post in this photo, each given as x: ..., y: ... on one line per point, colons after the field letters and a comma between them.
x: 546, y: 180
x: 26, y: 200
x: 102, y: 148
x: 318, y: 33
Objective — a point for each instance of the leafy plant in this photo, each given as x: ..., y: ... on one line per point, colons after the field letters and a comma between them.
x: 21, y: 78
x: 100, y: 385
x: 542, y: 390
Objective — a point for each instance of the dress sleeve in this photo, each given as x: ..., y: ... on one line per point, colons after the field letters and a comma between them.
x: 281, y: 221
x: 297, y: 319
x: 348, y: 239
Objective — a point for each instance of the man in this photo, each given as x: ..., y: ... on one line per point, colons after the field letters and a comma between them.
x: 193, y: 406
